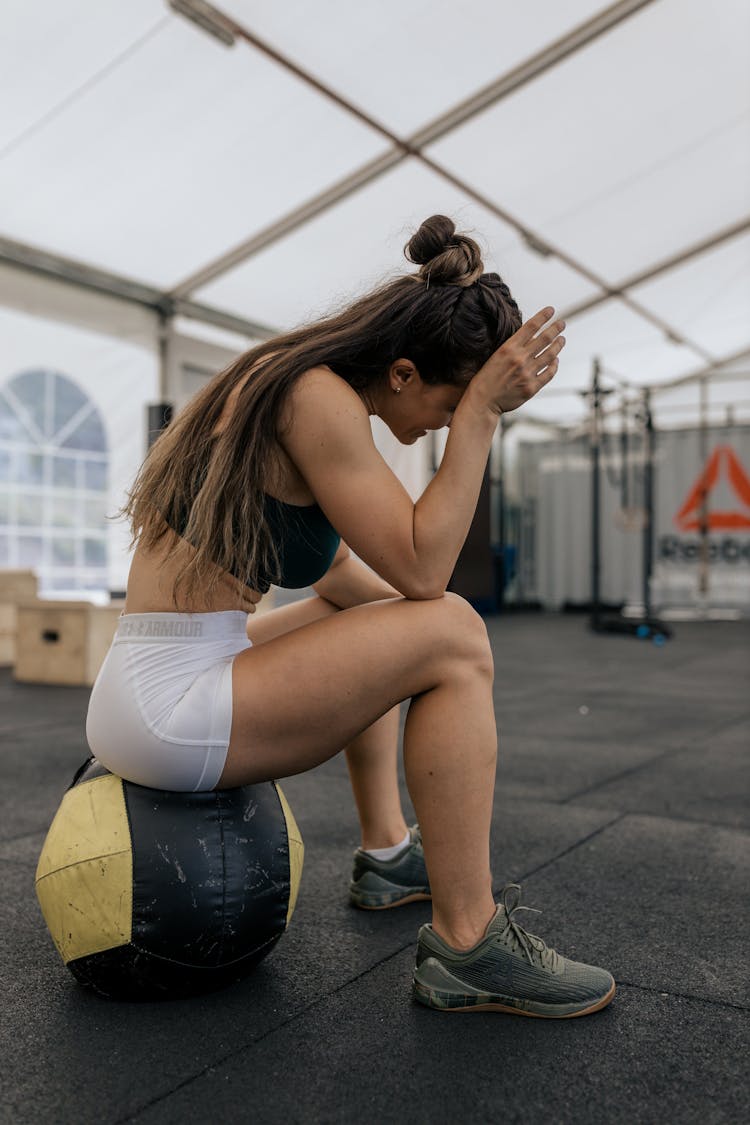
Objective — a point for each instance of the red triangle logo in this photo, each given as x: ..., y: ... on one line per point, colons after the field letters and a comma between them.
x: 722, y: 464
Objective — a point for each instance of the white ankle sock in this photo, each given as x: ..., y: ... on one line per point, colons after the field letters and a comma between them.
x: 388, y: 853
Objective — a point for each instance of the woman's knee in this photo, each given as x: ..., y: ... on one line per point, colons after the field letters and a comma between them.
x: 464, y: 632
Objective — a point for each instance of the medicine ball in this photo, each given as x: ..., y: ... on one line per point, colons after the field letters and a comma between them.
x: 150, y: 894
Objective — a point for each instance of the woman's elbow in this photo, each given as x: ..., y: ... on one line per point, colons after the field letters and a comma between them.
x: 422, y: 591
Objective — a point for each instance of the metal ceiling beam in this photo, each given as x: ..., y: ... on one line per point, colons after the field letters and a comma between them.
x: 42, y: 263
x: 402, y: 147
x: 711, y: 370
x: 177, y: 300
x: 527, y: 71
x: 219, y: 318
x: 664, y: 266
x: 47, y: 264
x: 405, y: 147
x: 608, y: 291
x: 707, y: 372
x: 288, y: 223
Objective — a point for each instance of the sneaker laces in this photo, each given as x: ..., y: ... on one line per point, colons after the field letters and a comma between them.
x: 519, y: 937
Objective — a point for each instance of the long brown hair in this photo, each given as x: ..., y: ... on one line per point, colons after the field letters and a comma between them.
x: 447, y: 318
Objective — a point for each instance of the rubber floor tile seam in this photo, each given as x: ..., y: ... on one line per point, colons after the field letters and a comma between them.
x: 235, y: 1052
x: 672, y: 995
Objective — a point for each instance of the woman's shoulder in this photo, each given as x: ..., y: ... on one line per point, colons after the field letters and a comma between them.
x: 323, y: 380
x: 325, y: 421
x: 319, y: 394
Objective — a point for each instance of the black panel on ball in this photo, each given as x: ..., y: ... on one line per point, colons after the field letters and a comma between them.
x: 210, y: 871
x: 128, y: 973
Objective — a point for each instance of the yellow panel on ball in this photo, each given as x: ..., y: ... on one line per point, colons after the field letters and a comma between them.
x: 296, y: 853
x: 84, y: 879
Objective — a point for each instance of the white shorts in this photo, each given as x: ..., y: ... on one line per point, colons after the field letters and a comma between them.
x: 160, y: 712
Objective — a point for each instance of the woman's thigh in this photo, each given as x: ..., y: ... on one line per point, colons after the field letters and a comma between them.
x: 301, y: 697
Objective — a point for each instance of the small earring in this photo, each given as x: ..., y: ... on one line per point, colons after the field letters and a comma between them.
x: 397, y: 390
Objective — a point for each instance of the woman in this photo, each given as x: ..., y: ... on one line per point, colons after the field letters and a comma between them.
x: 246, y: 487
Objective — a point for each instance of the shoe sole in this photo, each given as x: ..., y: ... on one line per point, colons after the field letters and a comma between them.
x: 492, y: 1007
x: 390, y: 905
x: 453, y: 999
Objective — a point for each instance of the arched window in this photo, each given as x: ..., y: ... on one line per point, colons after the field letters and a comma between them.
x: 53, y: 482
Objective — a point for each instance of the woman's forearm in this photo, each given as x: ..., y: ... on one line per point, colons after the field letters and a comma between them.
x: 445, y: 510
x: 349, y: 583
x: 511, y: 376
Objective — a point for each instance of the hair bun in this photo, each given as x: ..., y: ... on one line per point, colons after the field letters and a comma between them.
x: 444, y: 257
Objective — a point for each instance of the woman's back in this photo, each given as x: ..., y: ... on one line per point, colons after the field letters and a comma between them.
x: 305, y: 538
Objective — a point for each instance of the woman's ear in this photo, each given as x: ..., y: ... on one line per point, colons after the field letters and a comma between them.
x: 400, y: 373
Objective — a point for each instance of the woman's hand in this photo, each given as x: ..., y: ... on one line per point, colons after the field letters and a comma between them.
x: 521, y: 366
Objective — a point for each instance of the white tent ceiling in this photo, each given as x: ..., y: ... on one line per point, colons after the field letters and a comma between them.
x: 271, y: 180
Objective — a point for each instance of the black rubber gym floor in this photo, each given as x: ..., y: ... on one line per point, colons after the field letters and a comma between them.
x: 621, y: 805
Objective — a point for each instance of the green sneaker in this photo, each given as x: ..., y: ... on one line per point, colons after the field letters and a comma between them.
x: 379, y: 885
x: 509, y: 970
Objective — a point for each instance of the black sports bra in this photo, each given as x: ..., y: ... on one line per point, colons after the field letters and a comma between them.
x: 305, y: 540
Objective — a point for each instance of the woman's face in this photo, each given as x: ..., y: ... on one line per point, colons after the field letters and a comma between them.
x: 410, y: 407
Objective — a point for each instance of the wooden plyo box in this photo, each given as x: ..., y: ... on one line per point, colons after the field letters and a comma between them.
x: 7, y: 634
x: 63, y: 642
x: 15, y: 586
